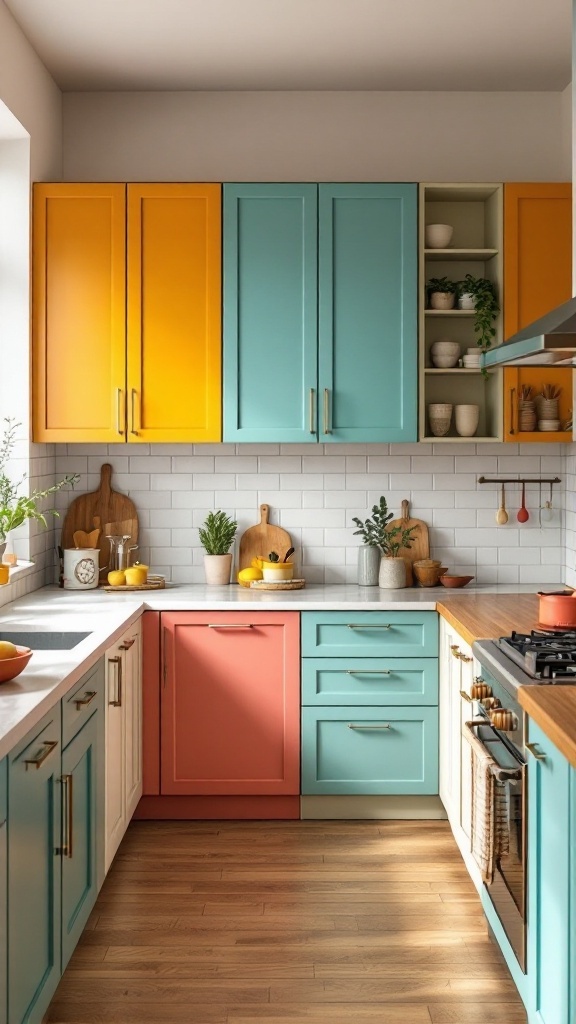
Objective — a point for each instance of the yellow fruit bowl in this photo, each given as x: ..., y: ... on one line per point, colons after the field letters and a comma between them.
x: 10, y: 667
x: 278, y: 572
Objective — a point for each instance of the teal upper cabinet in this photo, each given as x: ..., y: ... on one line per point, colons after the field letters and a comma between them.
x: 368, y: 312
x: 320, y: 312
x: 270, y: 312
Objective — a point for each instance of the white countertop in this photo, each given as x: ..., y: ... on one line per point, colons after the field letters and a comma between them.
x: 50, y: 674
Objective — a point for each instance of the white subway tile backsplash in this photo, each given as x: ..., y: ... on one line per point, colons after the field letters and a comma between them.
x: 192, y: 464
x: 279, y: 464
x: 324, y: 464
x: 150, y: 464
x: 236, y: 464
x: 389, y: 464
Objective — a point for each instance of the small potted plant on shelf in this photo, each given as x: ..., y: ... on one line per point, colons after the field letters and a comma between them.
x: 216, y: 537
x: 479, y: 294
x: 441, y: 292
x: 16, y: 509
x: 376, y: 533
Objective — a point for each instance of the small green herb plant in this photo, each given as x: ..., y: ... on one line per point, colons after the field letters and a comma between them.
x: 486, y: 307
x: 273, y: 556
x: 375, y: 532
x: 15, y: 509
x: 442, y: 284
x: 217, y: 533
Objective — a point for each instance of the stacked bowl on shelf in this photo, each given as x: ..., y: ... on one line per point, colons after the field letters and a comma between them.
x: 471, y: 360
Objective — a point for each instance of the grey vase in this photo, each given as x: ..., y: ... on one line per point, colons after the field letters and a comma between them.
x: 368, y: 565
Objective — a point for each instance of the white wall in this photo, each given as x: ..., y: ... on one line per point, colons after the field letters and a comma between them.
x: 316, y: 136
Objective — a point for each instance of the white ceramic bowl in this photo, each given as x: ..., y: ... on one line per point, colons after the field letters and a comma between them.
x: 445, y: 353
x: 438, y: 236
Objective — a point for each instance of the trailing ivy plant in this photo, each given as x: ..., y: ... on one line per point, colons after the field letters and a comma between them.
x: 486, y: 307
x: 217, y: 533
x: 375, y: 532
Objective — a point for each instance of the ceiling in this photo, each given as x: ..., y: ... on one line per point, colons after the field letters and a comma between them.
x: 427, y: 45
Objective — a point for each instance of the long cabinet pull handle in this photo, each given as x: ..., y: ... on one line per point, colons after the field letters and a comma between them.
x: 531, y: 747
x: 127, y: 644
x: 466, y: 697
x: 67, y: 846
x: 512, y: 393
x: 83, y: 702
x: 36, y: 762
x: 117, y: 703
x: 311, y: 411
x: 455, y: 651
x: 327, y: 411
x: 366, y: 672
x: 230, y: 625
x: 368, y: 728
x: 369, y: 625
x: 133, y: 395
x: 465, y: 658
x: 119, y: 426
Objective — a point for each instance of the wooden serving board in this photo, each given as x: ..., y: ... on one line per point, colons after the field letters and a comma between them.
x: 105, y: 505
x: 152, y: 583
x: 420, y: 547
x: 258, y: 541
x: 278, y: 585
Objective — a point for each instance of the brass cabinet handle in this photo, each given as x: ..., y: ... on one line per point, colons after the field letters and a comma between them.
x: 117, y: 703
x: 464, y: 657
x: 36, y: 762
x: 368, y: 728
x: 455, y: 651
x: 479, y: 679
x: 83, y: 702
x: 230, y: 625
x: 312, y: 411
x: 119, y: 426
x: 531, y: 747
x: 133, y: 395
x: 465, y: 696
x: 127, y: 644
x: 369, y: 625
x: 366, y: 672
x: 327, y: 411
x: 67, y: 845
x: 512, y: 393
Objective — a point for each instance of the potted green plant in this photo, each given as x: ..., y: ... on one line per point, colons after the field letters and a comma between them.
x: 479, y: 294
x: 16, y: 508
x: 377, y: 533
x: 441, y: 292
x: 216, y: 537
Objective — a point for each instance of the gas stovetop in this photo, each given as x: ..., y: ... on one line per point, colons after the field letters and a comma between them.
x: 546, y: 655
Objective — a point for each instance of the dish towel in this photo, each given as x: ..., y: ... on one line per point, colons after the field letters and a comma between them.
x: 490, y: 807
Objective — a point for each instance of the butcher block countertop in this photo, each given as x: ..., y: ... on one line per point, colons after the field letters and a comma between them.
x: 553, y: 708
x: 486, y: 616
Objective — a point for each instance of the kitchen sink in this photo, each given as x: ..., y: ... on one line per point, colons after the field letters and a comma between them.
x: 44, y: 641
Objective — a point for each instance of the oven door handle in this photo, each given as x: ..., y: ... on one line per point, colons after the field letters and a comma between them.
x: 499, y: 772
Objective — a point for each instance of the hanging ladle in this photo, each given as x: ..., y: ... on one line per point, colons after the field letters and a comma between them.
x: 502, y: 515
x: 523, y: 514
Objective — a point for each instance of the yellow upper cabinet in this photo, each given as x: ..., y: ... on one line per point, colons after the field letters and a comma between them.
x: 127, y: 299
x: 537, y: 277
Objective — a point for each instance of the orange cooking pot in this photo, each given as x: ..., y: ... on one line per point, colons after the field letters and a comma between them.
x: 558, y: 609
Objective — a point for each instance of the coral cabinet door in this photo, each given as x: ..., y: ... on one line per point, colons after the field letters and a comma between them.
x: 79, y: 303
x: 174, y: 318
x: 230, y: 703
x: 537, y: 277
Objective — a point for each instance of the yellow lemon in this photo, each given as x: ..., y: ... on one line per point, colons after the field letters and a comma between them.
x: 117, y: 578
x: 256, y: 563
x: 7, y: 650
x: 245, y: 576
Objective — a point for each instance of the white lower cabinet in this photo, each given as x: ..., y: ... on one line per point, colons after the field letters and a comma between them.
x: 123, y: 786
x: 458, y: 668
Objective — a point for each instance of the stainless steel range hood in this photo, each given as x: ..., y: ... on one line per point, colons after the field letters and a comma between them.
x: 551, y: 340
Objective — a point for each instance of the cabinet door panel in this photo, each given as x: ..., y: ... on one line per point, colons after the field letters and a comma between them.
x: 389, y: 634
x: 174, y: 302
x: 230, y: 704
x: 34, y: 870
x: 115, y: 784
x: 387, y: 681
x: 370, y: 750
x: 79, y: 292
x: 270, y: 312
x: 368, y: 312
x: 133, y: 701
x: 79, y: 824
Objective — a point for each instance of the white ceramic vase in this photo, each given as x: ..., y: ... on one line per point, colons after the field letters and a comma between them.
x: 392, y: 575
x: 466, y: 419
x: 466, y: 301
x: 369, y: 558
x: 217, y: 569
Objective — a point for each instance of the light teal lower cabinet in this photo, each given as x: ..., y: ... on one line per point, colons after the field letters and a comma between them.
x: 55, y: 811
x: 370, y: 750
x: 551, y: 884
x: 3, y: 889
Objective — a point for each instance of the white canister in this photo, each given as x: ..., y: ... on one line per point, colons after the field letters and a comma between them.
x: 81, y: 568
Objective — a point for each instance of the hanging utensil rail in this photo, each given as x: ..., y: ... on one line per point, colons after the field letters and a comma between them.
x: 519, y: 480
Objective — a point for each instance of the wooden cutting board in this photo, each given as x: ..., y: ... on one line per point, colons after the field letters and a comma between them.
x: 420, y: 547
x: 259, y: 541
x: 104, y: 504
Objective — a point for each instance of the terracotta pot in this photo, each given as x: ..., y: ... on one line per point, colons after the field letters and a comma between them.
x: 557, y: 609
x: 442, y: 300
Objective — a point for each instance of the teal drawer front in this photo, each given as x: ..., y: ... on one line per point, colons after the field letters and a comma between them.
x: 389, y: 681
x: 79, y: 705
x: 370, y: 750
x: 3, y: 790
x: 369, y: 634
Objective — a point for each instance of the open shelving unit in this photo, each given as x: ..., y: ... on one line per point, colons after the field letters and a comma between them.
x: 476, y: 213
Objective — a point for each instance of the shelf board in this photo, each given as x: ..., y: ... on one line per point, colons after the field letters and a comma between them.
x: 542, y: 437
x: 449, y: 312
x: 448, y: 371
x: 462, y: 255
x: 456, y: 439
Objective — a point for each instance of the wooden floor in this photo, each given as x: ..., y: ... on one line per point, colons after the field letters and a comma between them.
x: 276, y: 923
